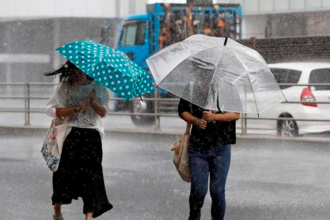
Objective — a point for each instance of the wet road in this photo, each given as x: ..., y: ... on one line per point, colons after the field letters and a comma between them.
x: 268, y: 180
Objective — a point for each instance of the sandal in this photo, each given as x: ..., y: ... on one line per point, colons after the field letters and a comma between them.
x: 58, y: 217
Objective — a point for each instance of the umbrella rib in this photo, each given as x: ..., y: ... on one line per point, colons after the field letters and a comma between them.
x: 215, y: 69
x: 255, y: 98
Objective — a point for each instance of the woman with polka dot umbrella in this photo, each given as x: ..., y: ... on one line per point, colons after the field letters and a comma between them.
x: 109, y: 67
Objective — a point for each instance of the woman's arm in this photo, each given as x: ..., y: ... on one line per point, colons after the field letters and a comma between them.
x: 100, y: 110
x: 227, y: 116
x: 65, y: 112
x: 188, y: 117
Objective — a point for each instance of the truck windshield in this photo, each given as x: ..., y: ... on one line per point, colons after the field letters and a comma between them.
x: 133, y: 33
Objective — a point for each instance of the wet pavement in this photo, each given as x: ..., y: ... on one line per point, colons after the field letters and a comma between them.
x: 269, y: 179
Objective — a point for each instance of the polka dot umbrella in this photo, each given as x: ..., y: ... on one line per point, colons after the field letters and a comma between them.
x: 109, y: 67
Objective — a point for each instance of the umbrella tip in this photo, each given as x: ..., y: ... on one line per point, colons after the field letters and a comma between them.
x: 225, y: 43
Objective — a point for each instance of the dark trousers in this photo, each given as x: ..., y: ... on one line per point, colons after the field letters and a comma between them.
x: 213, y: 163
x: 80, y: 173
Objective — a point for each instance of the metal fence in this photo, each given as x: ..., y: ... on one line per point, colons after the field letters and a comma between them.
x: 34, y: 91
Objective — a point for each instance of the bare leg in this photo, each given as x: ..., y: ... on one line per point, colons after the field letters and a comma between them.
x: 89, y: 216
x: 57, y: 209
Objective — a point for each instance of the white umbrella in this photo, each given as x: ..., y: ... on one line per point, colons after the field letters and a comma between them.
x: 225, y: 75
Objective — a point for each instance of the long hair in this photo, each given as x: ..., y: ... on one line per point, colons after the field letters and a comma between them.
x: 67, y: 72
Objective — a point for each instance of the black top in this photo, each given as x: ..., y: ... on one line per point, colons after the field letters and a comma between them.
x: 216, y: 132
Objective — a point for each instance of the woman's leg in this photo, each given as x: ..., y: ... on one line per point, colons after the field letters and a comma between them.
x: 219, y: 168
x: 57, y: 209
x: 199, y: 172
x: 89, y: 216
x: 93, y: 190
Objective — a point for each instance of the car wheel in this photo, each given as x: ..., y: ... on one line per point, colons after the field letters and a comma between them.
x: 287, y: 128
x: 139, y: 106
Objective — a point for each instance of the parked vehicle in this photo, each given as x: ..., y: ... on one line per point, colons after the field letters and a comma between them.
x: 143, y: 35
x: 299, y: 73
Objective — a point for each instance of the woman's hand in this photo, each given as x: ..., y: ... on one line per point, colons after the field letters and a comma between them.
x: 100, y: 110
x: 226, y: 116
x: 84, y: 105
x: 208, y: 115
x: 201, y: 123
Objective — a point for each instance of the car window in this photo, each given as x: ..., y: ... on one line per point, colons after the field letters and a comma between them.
x: 286, y: 76
x: 320, y: 76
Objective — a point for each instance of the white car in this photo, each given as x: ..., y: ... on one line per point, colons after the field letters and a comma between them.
x: 298, y: 73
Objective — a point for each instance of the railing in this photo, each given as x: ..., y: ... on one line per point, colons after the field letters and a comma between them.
x: 27, y: 110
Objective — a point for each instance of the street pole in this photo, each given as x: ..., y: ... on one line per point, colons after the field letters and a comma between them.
x: 156, y: 105
x: 27, y: 104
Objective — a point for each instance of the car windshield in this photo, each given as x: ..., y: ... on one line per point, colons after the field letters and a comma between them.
x: 133, y: 33
x: 320, y: 76
x: 286, y: 76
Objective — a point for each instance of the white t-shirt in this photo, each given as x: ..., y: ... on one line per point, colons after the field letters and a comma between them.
x: 65, y: 96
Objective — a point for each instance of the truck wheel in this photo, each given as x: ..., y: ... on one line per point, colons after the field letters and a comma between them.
x: 288, y: 128
x: 138, y: 106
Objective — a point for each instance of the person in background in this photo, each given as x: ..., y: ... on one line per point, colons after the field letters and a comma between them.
x: 81, y: 102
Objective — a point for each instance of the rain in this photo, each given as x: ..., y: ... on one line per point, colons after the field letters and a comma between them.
x: 128, y: 90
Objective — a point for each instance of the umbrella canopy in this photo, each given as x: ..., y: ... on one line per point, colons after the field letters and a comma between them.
x: 216, y: 74
x: 109, y: 67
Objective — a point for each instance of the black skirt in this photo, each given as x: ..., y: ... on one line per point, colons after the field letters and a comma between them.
x: 80, y: 172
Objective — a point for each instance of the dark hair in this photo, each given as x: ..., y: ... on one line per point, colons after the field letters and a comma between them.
x: 67, y: 72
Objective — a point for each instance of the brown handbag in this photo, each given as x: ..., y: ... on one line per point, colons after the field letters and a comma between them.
x: 180, y: 159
